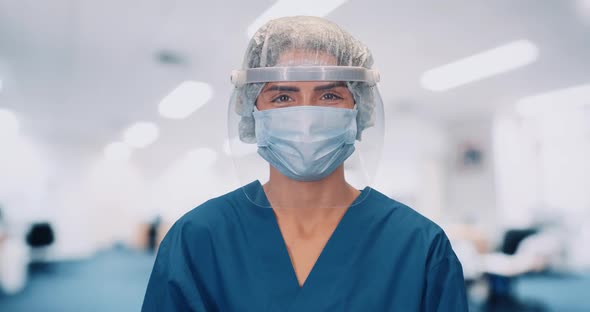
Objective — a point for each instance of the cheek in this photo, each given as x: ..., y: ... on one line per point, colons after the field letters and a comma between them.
x: 258, y: 103
x: 349, y: 105
x: 348, y: 96
x: 262, y: 105
x: 350, y: 101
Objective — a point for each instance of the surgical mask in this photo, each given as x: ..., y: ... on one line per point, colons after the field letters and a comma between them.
x: 305, y: 143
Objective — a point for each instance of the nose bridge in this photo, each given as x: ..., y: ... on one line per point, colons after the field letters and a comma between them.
x: 307, y: 96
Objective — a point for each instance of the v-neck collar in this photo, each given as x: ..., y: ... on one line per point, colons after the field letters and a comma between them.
x: 277, y: 267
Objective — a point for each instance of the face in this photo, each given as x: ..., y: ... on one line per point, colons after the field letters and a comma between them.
x: 299, y: 93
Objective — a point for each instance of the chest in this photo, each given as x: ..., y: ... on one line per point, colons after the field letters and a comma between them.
x: 356, y: 278
x: 304, y: 253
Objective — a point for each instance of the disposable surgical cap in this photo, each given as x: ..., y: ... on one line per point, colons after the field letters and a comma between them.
x: 282, y: 42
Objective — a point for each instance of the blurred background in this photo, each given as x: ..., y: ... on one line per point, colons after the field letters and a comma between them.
x: 113, y: 125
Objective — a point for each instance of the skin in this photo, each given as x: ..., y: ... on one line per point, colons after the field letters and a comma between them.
x: 307, y: 212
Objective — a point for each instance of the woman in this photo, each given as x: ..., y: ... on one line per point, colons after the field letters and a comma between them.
x: 306, y: 240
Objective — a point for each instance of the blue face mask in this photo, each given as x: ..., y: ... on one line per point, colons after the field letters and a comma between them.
x: 305, y: 143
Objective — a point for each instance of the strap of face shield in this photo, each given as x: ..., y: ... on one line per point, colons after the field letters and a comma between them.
x: 304, y: 73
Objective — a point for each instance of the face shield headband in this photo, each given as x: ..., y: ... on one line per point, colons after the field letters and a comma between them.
x: 304, y: 73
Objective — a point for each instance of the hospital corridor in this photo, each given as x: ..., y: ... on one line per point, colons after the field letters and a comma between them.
x: 294, y: 155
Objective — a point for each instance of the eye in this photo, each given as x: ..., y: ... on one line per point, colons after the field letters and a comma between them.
x: 281, y: 98
x: 331, y: 97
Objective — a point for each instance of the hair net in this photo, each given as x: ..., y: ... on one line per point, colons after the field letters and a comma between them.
x: 316, y: 37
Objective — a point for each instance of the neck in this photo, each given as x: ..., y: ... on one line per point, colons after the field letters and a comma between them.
x: 315, y: 199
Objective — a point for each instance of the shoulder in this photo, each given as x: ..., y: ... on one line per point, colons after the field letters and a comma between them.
x: 402, y: 216
x: 212, y: 211
x: 407, y: 225
x: 199, y: 221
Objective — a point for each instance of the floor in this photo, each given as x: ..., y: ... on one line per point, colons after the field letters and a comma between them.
x: 113, y: 280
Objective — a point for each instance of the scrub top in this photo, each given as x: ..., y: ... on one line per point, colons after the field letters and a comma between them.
x: 229, y: 255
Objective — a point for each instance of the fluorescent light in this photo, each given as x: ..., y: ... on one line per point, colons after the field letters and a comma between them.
x: 283, y: 8
x: 562, y: 99
x: 479, y: 66
x: 185, y: 99
x: 1, y: 85
x: 8, y: 123
x: 117, y: 151
x: 141, y: 134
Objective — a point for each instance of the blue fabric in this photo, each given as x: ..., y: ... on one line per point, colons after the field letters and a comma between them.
x: 229, y: 255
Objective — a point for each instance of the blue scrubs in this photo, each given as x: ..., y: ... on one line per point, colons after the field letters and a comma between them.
x: 229, y: 255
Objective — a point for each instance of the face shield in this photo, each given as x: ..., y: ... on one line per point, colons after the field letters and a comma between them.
x: 305, y: 103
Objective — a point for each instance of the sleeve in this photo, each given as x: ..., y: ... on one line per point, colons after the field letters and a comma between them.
x: 445, y: 285
x: 174, y: 284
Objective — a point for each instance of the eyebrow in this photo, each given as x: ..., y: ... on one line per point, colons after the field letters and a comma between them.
x: 282, y: 88
x: 330, y: 86
x: 295, y: 89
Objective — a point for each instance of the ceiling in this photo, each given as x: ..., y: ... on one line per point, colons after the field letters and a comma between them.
x: 78, y: 72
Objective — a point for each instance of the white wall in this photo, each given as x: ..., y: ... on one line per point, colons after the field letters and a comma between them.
x: 517, y: 169
x: 471, y: 190
x: 24, y: 175
x: 413, y: 168
x: 192, y: 179
x: 543, y: 168
x: 544, y: 173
